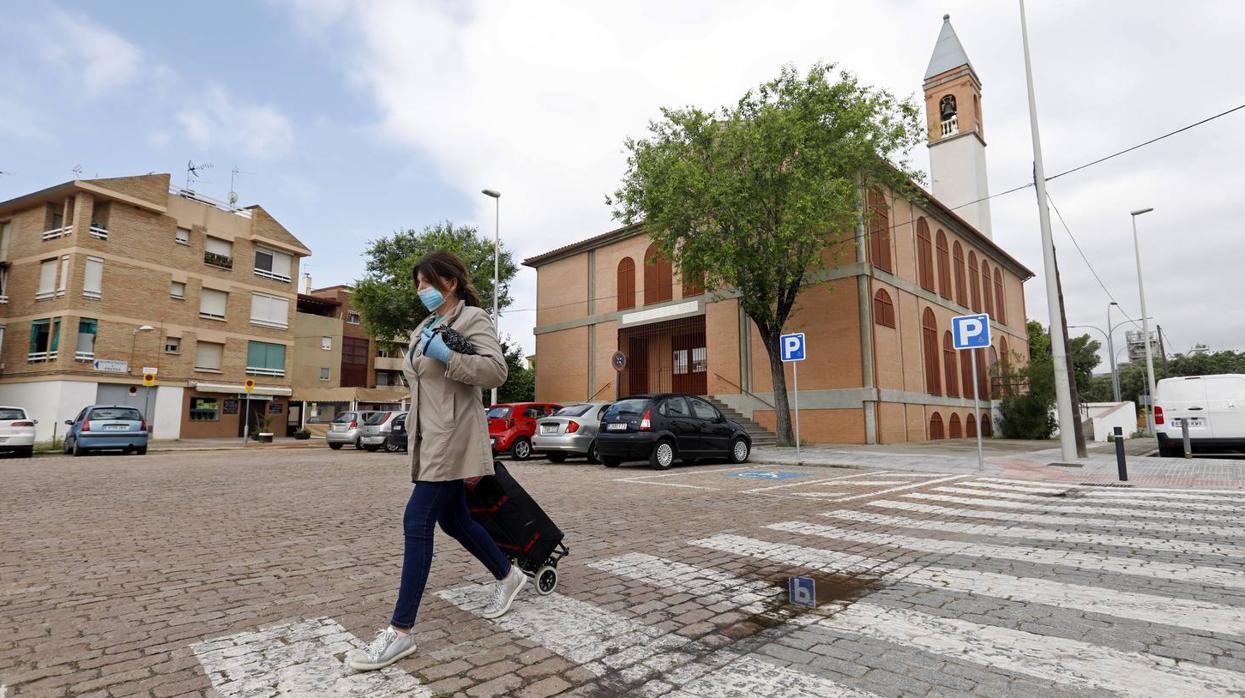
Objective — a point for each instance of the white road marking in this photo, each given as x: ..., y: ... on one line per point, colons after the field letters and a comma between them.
x: 1134, y: 542
x: 1068, y: 662
x: 1160, y: 527
x: 1050, y: 504
x: 667, y: 484
x: 1045, y: 489
x: 695, y: 472
x: 806, y: 483
x: 602, y: 641
x: 709, y: 586
x: 1094, y: 562
x: 1227, y: 494
x: 1150, y: 500
x: 303, y: 658
x: 914, y: 485
x: 1200, y: 616
x: 878, y: 483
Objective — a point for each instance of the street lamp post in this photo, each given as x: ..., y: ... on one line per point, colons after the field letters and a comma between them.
x: 496, y: 196
x: 1145, y: 322
x: 146, y: 390
x: 1115, y: 375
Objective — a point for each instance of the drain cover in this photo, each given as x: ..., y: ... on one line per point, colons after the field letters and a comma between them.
x: 1105, y: 484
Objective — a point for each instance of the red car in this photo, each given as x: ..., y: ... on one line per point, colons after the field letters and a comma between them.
x: 510, y: 427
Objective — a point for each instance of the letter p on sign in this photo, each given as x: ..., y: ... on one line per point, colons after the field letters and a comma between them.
x: 791, y: 346
x: 971, y: 331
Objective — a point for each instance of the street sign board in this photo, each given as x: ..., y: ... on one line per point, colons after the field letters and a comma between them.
x: 618, y: 361
x: 111, y: 365
x: 970, y: 331
x: 149, y: 379
x: 249, y: 385
x: 802, y: 591
x: 792, y: 346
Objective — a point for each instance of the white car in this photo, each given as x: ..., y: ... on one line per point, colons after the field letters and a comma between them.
x: 1214, y: 407
x: 17, y: 431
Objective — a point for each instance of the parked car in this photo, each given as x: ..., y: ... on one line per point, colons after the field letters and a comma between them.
x: 106, y: 427
x: 571, y: 431
x: 376, y: 429
x: 17, y: 431
x: 396, y: 441
x: 1214, y: 406
x: 667, y: 427
x: 510, y: 427
x: 347, y: 427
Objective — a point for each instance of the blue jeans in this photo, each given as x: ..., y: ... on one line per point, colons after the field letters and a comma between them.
x: 444, y: 503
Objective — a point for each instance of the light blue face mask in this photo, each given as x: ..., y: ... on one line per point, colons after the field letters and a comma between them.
x: 431, y: 298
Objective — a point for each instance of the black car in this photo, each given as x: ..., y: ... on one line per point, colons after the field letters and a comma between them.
x: 669, y: 426
x: 396, y: 440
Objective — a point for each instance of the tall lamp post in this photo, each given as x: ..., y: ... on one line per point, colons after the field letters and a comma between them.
x: 1145, y: 322
x: 496, y: 196
x: 146, y: 390
x: 1115, y: 376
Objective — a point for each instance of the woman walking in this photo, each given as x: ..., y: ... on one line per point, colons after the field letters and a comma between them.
x: 449, y: 442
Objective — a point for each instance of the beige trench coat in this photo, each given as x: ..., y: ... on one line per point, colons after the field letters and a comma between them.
x: 447, y: 426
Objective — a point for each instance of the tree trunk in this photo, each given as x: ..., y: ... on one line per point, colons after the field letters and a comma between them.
x: 782, y: 409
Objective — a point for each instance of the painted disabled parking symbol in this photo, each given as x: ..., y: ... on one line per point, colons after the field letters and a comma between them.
x: 765, y: 475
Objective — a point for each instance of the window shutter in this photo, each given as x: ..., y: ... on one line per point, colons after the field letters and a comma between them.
x: 208, y: 355
x: 47, y: 276
x: 218, y: 246
x: 93, y: 286
x: 213, y: 302
x: 270, y: 310
x: 280, y: 264
x: 64, y: 274
x: 86, y: 336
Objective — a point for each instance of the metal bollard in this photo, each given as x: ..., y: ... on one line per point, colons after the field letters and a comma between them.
x: 1119, y: 454
x: 1184, y: 435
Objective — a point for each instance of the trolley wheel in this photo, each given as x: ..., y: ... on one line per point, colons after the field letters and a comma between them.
x: 546, y: 580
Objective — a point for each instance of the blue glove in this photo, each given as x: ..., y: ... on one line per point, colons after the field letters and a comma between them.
x: 435, y: 348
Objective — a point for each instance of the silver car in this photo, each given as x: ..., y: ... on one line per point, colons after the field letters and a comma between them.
x: 376, y: 429
x: 347, y: 427
x: 571, y: 431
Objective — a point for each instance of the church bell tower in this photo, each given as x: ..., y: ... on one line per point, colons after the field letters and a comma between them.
x: 957, y: 141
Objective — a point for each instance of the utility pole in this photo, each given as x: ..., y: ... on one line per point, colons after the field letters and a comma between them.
x: 1079, y: 427
x: 1058, y: 347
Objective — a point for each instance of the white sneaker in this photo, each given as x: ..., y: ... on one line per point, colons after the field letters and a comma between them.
x: 388, y: 647
x: 505, y: 592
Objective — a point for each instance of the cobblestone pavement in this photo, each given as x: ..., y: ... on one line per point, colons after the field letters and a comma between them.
x: 253, y: 574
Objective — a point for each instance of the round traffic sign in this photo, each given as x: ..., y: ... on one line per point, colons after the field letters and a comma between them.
x: 249, y: 385
x: 618, y: 361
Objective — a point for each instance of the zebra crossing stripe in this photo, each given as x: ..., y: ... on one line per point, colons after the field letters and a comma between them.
x: 1224, y: 494
x: 1177, y: 546
x: 1173, y: 501
x: 1159, y: 527
x: 806, y: 484
x: 602, y: 641
x: 1031, y: 503
x: 1234, y: 578
x: 901, y: 488
x: 1201, y: 616
x: 709, y: 586
x: 878, y: 483
x: 1065, y: 661
x: 303, y: 658
x: 1043, y: 489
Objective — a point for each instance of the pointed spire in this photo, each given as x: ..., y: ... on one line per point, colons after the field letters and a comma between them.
x: 948, y: 53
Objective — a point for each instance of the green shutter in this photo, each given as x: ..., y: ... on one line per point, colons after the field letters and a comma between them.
x: 87, y: 326
x: 255, y: 355
x: 56, y: 334
x: 276, y: 357
x: 265, y: 355
x: 35, y: 328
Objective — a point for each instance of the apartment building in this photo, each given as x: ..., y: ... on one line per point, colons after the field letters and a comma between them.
x: 338, y: 365
x: 102, y: 279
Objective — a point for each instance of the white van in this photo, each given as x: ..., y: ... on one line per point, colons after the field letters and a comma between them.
x: 1214, y: 407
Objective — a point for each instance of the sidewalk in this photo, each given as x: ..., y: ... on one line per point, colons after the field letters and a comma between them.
x: 233, y: 443
x: 1026, y: 460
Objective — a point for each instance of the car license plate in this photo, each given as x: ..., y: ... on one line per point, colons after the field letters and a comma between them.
x: 1194, y: 422
x: 116, y: 427
x: 618, y: 426
x: 546, y: 429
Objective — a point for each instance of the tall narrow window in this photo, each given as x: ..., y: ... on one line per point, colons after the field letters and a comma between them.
x: 948, y: 365
x: 658, y: 277
x: 961, y: 292
x: 1004, y: 352
x: 353, y: 372
x: 87, y: 329
x: 944, y: 266
x: 971, y: 426
x: 996, y: 379
x: 693, y: 284
x: 953, y: 427
x: 626, y: 283
x: 983, y: 374
x: 208, y: 356
x: 879, y: 232
x: 265, y: 358
x: 935, y: 428
x: 93, y: 283
x: 1000, y: 300
x: 987, y: 430
x: 177, y: 289
x: 212, y: 304
x: 64, y: 279
x: 929, y: 333
x: 4, y: 283
x: 883, y: 309
x: 47, y: 279
x: 974, y: 283
x: 966, y: 372
x: 44, y: 340
x: 924, y: 256
x: 987, y: 296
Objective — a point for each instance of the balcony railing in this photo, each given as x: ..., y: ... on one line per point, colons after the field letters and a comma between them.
x: 951, y: 126
x: 218, y: 260
x: 4, y: 298
x: 35, y: 357
x: 260, y: 371
x: 84, y: 356
x: 98, y: 231
x: 269, y: 275
x: 56, y: 233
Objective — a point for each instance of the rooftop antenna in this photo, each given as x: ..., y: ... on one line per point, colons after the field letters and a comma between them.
x: 233, y: 192
x: 193, y: 170
x: 77, y: 171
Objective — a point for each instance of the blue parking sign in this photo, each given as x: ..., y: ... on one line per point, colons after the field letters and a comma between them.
x: 792, y: 346
x: 802, y: 591
x: 970, y: 331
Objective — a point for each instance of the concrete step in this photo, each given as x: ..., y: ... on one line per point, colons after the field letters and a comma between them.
x: 760, y: 435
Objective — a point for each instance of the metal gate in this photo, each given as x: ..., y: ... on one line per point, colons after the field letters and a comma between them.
x: 665, y: 357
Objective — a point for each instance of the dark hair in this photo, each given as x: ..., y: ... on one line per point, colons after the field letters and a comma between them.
x: 438, y: 266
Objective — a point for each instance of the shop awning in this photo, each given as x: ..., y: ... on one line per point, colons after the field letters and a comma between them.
x: 231, y: 388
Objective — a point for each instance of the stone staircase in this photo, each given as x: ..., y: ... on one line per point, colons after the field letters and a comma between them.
x: 759, y: 434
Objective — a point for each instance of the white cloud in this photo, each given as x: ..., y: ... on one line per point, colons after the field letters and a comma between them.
x: 536, y: 98
x: 96, y: 58
x: 214, y: 119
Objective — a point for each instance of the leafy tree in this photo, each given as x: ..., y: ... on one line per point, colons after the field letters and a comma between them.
x: 1026, y: 412
x: 387, y: 296
x: 520, y: 385
x: 750, y: 195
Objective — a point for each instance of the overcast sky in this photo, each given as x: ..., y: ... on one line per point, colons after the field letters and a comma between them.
x: 350, y: 120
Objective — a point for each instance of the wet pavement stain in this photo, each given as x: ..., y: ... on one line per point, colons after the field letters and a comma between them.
x: 835, y: 589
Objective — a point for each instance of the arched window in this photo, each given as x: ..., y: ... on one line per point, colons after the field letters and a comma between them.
x: 948, y: 365
x: 977, y: 113
x: 983, y: 374
x: 626, y: 283
x: 935, y: 428
x: 658, y: 277
x: 966, y: 373
x: 1000, y: 300
x: 693, y: 284
x: 946, y: 107
x: 883, y: 309
x: 924, y: 255
x: 929, y: 333
x: 987, y: 429
x: 953, y: 427
x: 970, y: 426
x: 944, y: 266
x: 974, y: 283
x: 996, y: 380
x: 987, y: 295
x: 879, y: 232
x: 961, y: 292
x: 1004, y: 353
